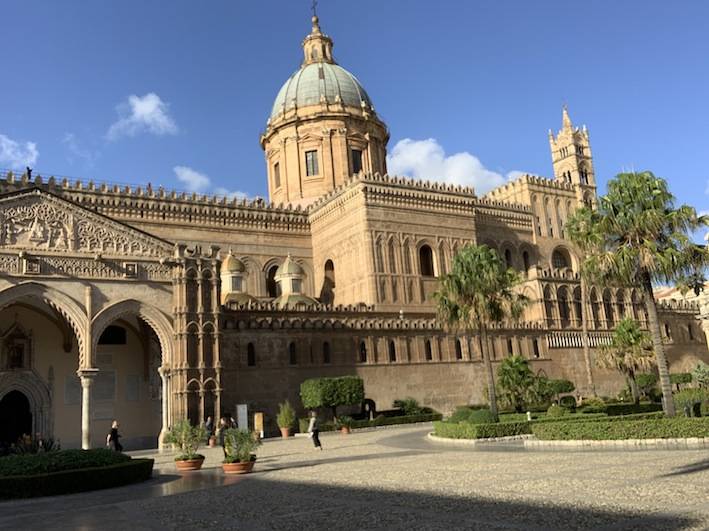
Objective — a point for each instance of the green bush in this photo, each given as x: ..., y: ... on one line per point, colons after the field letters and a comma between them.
x: 286, y: 415
x: 240, y: 446
x: 660, y: 428
x: 47, y: 463
x: 562, y: 386
x: 66, y: 481
x: 646, y: 381
x: 467, y: 430
x: 593, y: 405
x: 680, y: 378
x: 568, y: 402
x: 700, y: 374
x: 630, y: 408
x: 409, y: 406
x: 322, y: 426
x: 556, y: 411
x: 332, y: 392
x: 187, y: 438
x: 390, y: 421
x: 474, y: 416
x: 690, y: 400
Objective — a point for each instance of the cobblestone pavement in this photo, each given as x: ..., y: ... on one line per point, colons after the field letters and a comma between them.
x: 396, y: 479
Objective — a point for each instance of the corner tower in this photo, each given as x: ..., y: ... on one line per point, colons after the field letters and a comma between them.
x: 322, y: 128
x: 572, y: 160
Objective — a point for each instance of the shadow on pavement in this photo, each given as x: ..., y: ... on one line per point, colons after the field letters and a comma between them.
x: 691, y: 468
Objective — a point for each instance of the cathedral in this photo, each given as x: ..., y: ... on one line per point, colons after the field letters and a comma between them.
x: 149, y: 306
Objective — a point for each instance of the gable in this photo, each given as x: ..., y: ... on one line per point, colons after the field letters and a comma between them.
x: 35, y: 220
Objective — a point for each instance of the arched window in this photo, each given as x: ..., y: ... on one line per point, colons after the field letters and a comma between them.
x: 392, y: 257
x: 560, y: 259
x: 535, y: 347
x: 327, y: 293
x: 326, y: 352
x: 250, y: 355
x: 547, y: 216
x: 548, y: 305
x: 442, y: 259
x: 690, y: 332
x: 525, y: 261
x: 362, y: 352
x: 407, y: 258
x: 668, y: 331
x: 595, y: 308
x: 292, y: 354
x: 620, y: 297
x: 429, y: 351
x: 578, y: 310
x: 458, y: 350
x: 272, y: 287
x: 510, y: 349
x: 563, y: 299
x: 508, y: 258
x: 608, y: 309
x: 426, y: 261
x: 392, y: 351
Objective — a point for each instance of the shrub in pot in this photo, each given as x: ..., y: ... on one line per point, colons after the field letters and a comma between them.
x: 285, y: 418
x: 239, y: 449
x: 344, y: 424
x: 187, y: 439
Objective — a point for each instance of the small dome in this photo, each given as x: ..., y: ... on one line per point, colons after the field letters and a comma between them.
x: 232, y: 264
x: 289, y: 267
x: 317, y: 83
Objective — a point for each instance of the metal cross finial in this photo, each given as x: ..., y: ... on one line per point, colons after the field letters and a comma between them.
x: 314, y: 8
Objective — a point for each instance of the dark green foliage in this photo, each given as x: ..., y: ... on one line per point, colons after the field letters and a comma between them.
x: 630, y: 409
x: 568, y: 402
x: 409, y: 406
x: 646, y: 381
x: 515, y: 378
x: 475, y: 416
x: 331, y: 392
x: 380, y: 420
x: 77, y: 480
x: 689, y: 401
x: 562, y: 386
x: 556, y: 411
x: 467, y: 430
x: 661, y: 428
x: 680, y: 378
x: 31, y: 464
x: 593, y: 405
x: 344, y: 422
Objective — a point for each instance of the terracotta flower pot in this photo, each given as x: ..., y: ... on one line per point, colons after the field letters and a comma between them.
x: 238, y: 468
x: 285, y: 432
x: 189, y: 464
x: 345, y: 430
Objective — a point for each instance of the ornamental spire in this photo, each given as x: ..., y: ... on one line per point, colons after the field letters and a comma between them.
x: 565, y: 120
x: 317, y: 47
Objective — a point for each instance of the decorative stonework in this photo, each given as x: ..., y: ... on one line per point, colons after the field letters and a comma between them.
x: 37, y: 221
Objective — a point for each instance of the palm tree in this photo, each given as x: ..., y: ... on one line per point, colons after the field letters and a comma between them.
x: 583, y: 232
x: 477, y: 293
x: 644, y: 239
x: 630, y: 352
x: 516, y: 379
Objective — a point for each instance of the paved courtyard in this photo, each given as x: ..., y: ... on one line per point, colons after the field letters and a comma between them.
x: 396, y: 479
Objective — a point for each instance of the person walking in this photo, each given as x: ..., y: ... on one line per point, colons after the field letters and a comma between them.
x: 209, y: 427
x: 223, y: 426
x: 112, y: 439
x: 314, y: 430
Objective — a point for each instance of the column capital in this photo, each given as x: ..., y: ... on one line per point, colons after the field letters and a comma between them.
x: 163, y: 371
x: 87, y: 375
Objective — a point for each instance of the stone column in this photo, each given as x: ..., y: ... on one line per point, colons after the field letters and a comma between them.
x: 163, y: 371
x: 87, y: 376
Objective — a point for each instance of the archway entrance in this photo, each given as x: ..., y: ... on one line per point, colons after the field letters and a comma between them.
x: 15, y: 417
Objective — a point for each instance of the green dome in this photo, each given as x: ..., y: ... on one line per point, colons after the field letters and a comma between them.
x: 289, y: 267
x: 320, y: 82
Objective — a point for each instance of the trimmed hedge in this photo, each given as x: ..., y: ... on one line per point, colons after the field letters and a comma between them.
x: 59, y: 461
x: 77, y: 480
x: 331, y: 392
x: 475, y: 416
x: 378, y: 421
x: 631, y: 409
x: 466, y: 430
x: 612, y: 429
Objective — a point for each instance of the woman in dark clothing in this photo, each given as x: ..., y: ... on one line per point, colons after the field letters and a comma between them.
x: 112, y: 439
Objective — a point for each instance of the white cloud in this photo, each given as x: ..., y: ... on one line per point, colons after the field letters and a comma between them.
x: 426, y: 159
x: 146, y: 114
x: 78, y: 151
x: 17, y: 156
x: 197, y: 182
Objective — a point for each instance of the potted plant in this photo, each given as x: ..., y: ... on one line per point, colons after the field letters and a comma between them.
x: 344, y: 424
x: 187, y: 439
x: 285, y: 418
x: 239, y: 448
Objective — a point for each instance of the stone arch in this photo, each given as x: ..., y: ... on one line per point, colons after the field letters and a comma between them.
x: 157, y: 320
x: 37, y: 394
x: 62, y: 303
x: 563, y: 253
x: 426, y: 259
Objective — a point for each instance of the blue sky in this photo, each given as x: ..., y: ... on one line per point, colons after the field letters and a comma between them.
x: 149, y: 91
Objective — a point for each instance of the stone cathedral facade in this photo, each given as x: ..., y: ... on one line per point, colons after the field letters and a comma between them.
x: 149, y: 306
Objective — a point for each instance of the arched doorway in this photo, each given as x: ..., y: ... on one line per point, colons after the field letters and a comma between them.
x: 327, y: 293
x: 15, y: 417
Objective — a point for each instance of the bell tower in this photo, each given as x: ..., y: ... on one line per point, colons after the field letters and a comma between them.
x: 572, y: 160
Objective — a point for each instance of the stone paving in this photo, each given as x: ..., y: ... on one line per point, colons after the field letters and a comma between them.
x: 397, y: 479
